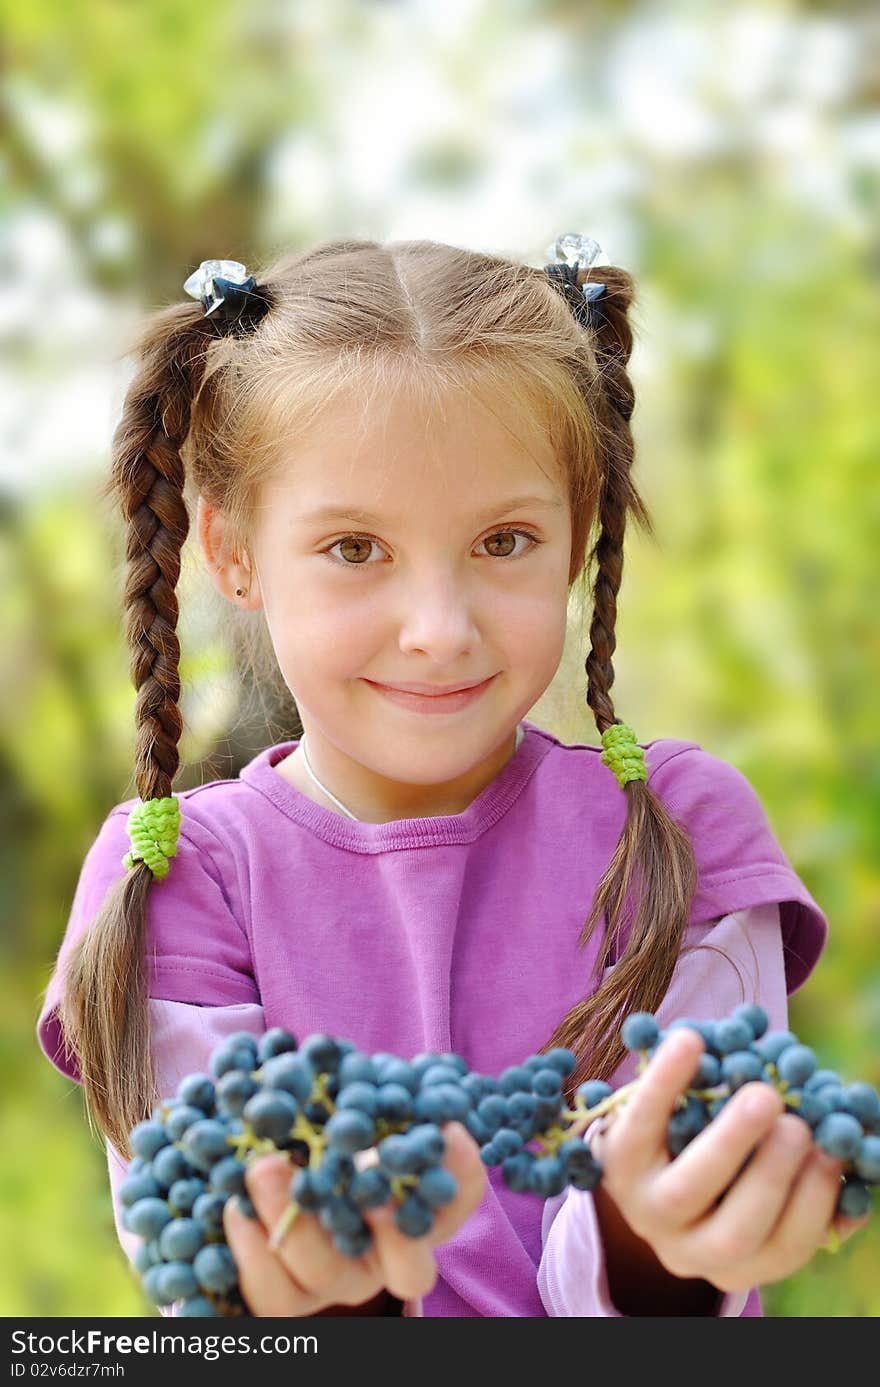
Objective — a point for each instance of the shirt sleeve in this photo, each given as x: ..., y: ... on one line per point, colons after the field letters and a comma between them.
x: 740, y: 863
x: 183, y: 1039
x: 706, y: 985
x: 197, y: 943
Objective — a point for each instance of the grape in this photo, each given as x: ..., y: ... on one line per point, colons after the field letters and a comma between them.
x: 181, y: 1117
x: 275, y: 1042
x: 796, y: 1064
x: 322, y: 1051
x: 353, y: 1244
x: 180, y: 1240
x: 639, y: 1031
x: 197, y: 1091
x: 215, y: 1268
x: 436, y: 1187
x: 548, y: 1176
x: 150, y: 1283
x: 234, y: 1090
x: 370, y: 1188
x: 394, y: 1102
x: 176, y: 1280
x: 741, y: 1067
x: 341, y: 1215
x: 360, y: 1096
x: 771, y: 1045
x: 399, y: 1073
x: 292, y: 1074
x: 547, y: 1083
x: 514, y: 1078
x: 311, y: 1188
x: 271, y: 1114
x: 399, y: 1155
x: 208, y: 1209
x: 205, y: 1142
x: 507, y: 1142
x: 350, y: 1130
x: 733, y: 1035
x: 143, y: 1258
x: 147, y: 1138
x: 170, y: 1165
x: 493, y: 1111
x: 867, y: 1160
x: 339, y: 1166
x: 414, y: 1217
x: 854, y: 1199
x: 863, y: 1102
x: 192, y: 1154
x: 812, y: 1107
x: 755, y: 1016
x: 840, y: 1135
x: 440, y: 1074
x: 229, y: 1057
x: 227, y: 1176
x: 442, y: 1103
x: 820, y: 1078
x: 148, y: 1217
x: 517, y: 1171
x: 140, y: 1186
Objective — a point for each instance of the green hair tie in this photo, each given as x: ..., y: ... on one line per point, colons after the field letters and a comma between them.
x: 153, y: 827
x: 623, y: 754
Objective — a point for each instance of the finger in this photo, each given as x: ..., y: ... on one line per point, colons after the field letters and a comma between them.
x: 266, y: 1285
x: 803, y: 1223
x: 636, y: 1140
x: 744, y: 1224
x: 708, y: 1165
x: 407, y: 1265
x: 463, y: 1160
x: 689, y: 1187
x: 307, y: 1252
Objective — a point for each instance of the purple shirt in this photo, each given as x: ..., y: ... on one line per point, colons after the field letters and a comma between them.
x: 452, y: 933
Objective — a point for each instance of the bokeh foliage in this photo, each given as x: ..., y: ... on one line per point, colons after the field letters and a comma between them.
x: 750, y: 627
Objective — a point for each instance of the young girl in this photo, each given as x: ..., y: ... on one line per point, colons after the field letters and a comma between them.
x: 396, y: 457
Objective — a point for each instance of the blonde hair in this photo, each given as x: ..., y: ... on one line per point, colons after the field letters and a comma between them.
x: 210, y: 413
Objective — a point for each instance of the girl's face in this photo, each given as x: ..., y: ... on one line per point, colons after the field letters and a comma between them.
x: 425, y: 574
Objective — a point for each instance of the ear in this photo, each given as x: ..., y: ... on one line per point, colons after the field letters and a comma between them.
x: 227, y: 572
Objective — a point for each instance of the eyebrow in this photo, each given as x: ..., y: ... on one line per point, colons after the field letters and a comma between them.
x: 365, y: 517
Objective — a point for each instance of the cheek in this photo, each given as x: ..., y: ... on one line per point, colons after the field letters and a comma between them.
x: 330, y: 639
x: 537, y: 624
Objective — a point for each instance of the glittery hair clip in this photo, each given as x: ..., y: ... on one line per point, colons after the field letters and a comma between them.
x: 225, y: 288
x: 570, y: 252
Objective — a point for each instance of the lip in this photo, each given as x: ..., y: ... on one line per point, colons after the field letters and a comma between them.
x: 432, y: 690
x: 433, y: 703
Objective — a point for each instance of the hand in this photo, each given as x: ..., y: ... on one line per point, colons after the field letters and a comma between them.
x: 746, y: 1203
x: 307, y: 1273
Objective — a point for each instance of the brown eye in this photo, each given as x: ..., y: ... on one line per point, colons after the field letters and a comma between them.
x: 507, y: 545
x: 354, y: 548
x: 506, y: 550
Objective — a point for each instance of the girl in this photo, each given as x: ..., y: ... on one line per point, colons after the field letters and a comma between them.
x: 396, y: 457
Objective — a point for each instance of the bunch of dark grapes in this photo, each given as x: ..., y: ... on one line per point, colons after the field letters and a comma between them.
x: 844, y: 1118
x: 360, y: 1130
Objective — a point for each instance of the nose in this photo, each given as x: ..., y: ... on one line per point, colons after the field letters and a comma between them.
x: 439, y: 618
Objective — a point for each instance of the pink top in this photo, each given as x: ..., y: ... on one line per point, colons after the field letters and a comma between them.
x: 453, y: 933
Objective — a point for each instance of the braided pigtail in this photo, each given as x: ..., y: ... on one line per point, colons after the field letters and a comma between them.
x: 104, y: 1012
x: 654, y: 855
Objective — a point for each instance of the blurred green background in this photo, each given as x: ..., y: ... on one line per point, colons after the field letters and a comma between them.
x: 727, y: 155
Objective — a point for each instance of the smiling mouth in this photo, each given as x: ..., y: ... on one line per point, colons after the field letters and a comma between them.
x: 430, y: 691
